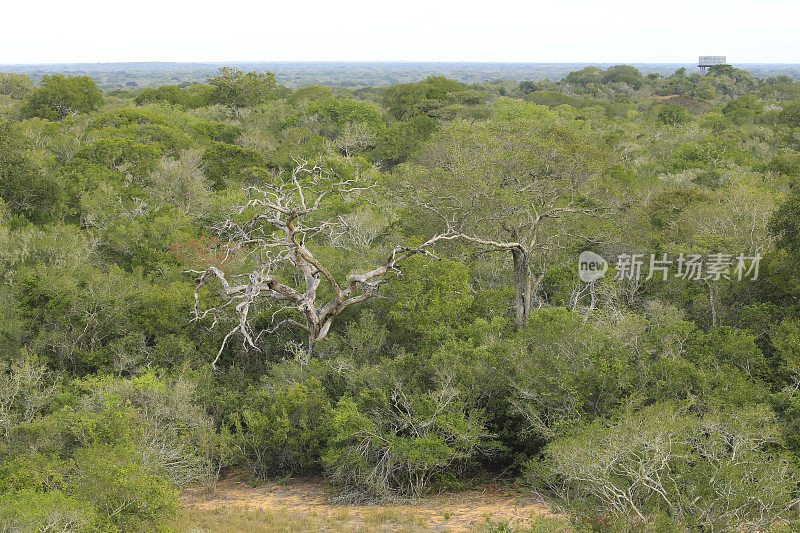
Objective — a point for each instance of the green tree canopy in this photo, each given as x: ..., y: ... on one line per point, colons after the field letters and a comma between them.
x: 24, y: 187
x: 785, y: 224
x: 585, y: 76
x: 15, y: 85
x: 407, y: 100
x: 60, y: 96
x: 672, y: 115
x: 624, y: 74
x: 237, y: 89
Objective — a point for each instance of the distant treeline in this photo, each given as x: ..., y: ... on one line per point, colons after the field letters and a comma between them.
x: 350, y: 74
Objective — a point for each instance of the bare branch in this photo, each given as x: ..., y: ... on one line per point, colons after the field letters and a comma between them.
x: 277, y: 234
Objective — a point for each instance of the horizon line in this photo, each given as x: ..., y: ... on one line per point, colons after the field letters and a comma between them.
x: 386, y: 61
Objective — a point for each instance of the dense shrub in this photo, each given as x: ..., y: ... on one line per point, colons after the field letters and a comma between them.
x: 126, y: 116
x: 551, y: 98
x: 126, y: 492
x: 122, y: 153
x: 787, y: 164
x: 86, y: 465
x: 192, y: 97
x: 283, y: 430
x: 672, y: 115
x: 566, y: 372
x: 717, y: 472
x: 24, y: 187
x: 393, y: 442
x: 224, y: 163
x: 649, y: 404
x: 59, y: 96
x: 401, y: 139
x: 54, y: 510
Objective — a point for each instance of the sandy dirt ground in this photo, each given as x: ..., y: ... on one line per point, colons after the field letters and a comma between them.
x: 463, y: 511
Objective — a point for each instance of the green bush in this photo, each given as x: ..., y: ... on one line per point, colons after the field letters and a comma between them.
x: 283, y: 430
x: 125, y: 491
x: 790, y: 115
x: 393, y: 442
x: 217, y: 131
x: 551, y: 99
x: 336, y: 112
x: 407, y: 100
x: 59, y: 96
x: 91, y: 468
x: 787, y: 164
x: 46, y: 511
x: 122, y: 153
x: 25, y: 188
x: 719, y: 472
x: 566, y: 372
x: 431, y: 295
x: 401, y: 139
x: 126, y: 116
x: 672, y: 115
x: 223, y: 163
x: 198, y: 95
x: 173, y: 434
x: 15, y: 85
x: 167, y: 139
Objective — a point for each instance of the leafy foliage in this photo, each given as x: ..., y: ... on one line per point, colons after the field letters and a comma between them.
x: 60, y: 96
x: 237, y: 89
x: 659, y: 403
x: 713, y: 472
x: 24, y: 186
x: 392, y: 441
x: 283, y: 430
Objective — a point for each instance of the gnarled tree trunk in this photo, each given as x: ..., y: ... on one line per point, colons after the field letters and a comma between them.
x: 277, y: 235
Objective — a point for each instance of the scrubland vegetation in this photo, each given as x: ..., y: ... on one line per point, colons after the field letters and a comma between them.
x: 380, y: 286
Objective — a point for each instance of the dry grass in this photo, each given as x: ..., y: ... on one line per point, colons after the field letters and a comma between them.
x: 241, y: 520
x: 304, y: 505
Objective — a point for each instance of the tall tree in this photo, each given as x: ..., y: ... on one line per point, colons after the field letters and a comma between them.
x: 15, y: 85
x: 24, y: 187
x: 508, y: 186
x: 785, y: 224
x: 60, y: 96
x: 281, y: 222
x: 237, y: 89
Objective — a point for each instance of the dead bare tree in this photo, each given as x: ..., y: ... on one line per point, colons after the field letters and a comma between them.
x: 519, y: 188
x: 281, y: 219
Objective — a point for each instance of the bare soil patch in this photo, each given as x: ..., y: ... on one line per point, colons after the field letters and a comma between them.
x: 463, y: 511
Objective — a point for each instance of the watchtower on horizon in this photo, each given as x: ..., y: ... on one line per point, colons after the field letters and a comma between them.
x: 706, y: 62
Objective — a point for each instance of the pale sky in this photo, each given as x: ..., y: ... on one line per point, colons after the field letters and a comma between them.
x: 677, y: 31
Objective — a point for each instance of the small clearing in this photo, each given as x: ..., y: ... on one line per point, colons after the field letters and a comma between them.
x: 305, y: 505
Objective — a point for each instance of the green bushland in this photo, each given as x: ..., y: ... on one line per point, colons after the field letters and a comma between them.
x: 658, y: 404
